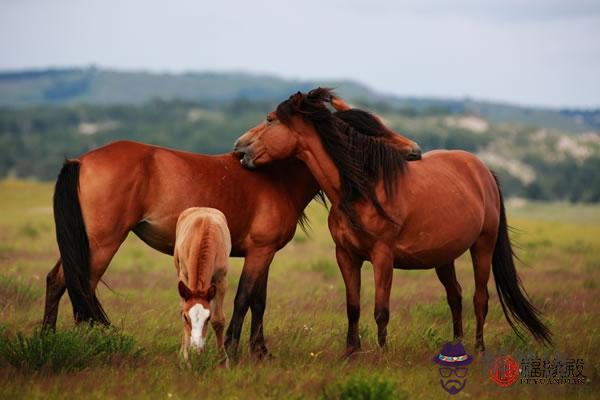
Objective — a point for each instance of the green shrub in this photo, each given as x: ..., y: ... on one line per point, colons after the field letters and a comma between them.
x: 29, y: 231
x: 66, y: 351
x: 14, y: 291
x: 360, y: 387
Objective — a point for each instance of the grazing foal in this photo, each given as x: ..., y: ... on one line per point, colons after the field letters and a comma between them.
x: 202, y: 248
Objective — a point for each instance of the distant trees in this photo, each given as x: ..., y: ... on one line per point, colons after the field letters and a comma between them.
x: 34, y: 141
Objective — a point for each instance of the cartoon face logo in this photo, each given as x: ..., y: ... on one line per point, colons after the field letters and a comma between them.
x: 453, y: 361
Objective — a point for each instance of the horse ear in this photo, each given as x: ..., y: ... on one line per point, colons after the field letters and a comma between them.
x: 184, y: 291
x: 211, y: 292
x: 339, y: 104
x: 297, y: 99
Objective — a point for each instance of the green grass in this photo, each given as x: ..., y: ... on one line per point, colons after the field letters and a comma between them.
x: 66, y: 350
x: 361, y: 387
x: 305, y: 319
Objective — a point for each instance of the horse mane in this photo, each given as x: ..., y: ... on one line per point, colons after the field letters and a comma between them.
x: 354, y: 141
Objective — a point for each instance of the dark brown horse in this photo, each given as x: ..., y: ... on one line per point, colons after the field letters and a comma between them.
x: 125, y: 186
x: 398, y: 215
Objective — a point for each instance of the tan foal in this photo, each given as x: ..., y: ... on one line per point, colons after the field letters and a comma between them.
x: 202, y: 248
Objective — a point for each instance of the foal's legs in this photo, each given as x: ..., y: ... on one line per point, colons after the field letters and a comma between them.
x: 447, y: 275
x: 481, y: 254
x: 350, y: 268
x: 218, y: 315
x: 251, y: 292
x: 55, y: 288
x: 383, y: 270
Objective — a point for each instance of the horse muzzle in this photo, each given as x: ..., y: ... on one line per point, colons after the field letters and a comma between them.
x: 245, y: 154
x: 415, y: 154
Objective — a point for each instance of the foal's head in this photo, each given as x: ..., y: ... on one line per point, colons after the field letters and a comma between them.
x: 195, y: 311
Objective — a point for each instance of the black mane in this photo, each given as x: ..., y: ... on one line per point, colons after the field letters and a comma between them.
x: 355, y: 140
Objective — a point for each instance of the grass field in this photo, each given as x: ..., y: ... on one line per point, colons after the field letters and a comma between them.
x: 305, y: 321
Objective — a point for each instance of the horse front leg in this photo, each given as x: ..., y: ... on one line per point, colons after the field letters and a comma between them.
x: 383, y: 271
x: 350, y: 267
x: 251, y: 291
x: 258, y: 304
x: 447, y: 276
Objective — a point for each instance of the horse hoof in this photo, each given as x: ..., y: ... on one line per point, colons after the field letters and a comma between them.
x: 224, y: 363
x: 350, y: 351
x: 261, y: 353
x: 231, y: 348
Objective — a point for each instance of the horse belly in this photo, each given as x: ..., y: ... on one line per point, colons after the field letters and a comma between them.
x: 430, y: 248
x: 159, y: 237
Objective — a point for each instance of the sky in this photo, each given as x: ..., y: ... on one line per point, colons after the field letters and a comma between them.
x: 537, y: 52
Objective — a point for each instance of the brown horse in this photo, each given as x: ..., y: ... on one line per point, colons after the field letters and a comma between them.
x: 201, y: 257
x: 125, y: 186
x: 398, y: 215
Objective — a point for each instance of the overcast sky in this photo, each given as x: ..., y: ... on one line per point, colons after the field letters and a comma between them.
x: 539, y: 52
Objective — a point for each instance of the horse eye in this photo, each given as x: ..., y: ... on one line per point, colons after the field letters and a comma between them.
x: 269, y: 119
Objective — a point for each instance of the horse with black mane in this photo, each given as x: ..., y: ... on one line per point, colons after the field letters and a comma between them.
x: 395, y: 214
x: 126, y: 186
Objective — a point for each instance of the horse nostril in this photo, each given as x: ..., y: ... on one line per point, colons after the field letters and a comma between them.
x: 415, y: 154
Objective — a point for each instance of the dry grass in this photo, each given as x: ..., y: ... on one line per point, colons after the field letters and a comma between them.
x: 305, y: 319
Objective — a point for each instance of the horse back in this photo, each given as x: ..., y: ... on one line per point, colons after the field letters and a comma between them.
x: 203, y: 244
x: 133, y: 186
x: 447, y: 201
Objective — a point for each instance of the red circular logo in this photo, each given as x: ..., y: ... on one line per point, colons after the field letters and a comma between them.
x: 504, y: 371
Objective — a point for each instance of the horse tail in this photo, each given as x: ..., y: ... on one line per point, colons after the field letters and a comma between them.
x: 513, y: 298
x: 74, y: 245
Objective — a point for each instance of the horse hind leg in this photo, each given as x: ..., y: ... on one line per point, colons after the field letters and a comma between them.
x: 100, y: 258
x: 55, y: 288
x: 447, y: 276
x: 481, y: 255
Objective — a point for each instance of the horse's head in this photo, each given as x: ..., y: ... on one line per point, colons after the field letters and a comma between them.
x: 278, y: 136
x: 195, y: 311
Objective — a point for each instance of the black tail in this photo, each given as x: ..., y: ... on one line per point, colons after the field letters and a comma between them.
x: 74, y: 245
x: 513, y: 298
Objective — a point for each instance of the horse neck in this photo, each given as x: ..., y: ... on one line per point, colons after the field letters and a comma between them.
x: 200, y: 263
x: 320, y: 164
x: 300, y: 184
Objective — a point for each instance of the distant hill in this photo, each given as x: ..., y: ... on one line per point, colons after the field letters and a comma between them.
x: 110, y: 87
x: 106, y: 87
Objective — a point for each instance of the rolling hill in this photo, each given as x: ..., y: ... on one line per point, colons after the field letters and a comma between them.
x: 109, y: 87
